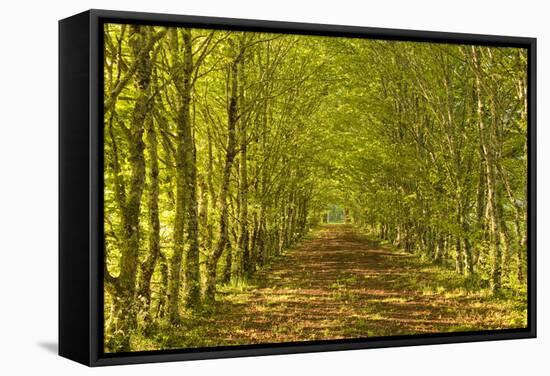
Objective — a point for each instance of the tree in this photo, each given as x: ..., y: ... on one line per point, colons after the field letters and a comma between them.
x: 129, y: 194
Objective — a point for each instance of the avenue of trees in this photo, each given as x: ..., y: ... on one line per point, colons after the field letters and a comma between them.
x: 223, y: 148
x: 442, y: 170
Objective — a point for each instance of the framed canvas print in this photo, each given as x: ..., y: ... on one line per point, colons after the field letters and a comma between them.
x: 237, y: 187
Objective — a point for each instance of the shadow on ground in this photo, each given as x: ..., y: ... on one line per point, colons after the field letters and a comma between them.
x: 342, y: 285
x: 50, y: 347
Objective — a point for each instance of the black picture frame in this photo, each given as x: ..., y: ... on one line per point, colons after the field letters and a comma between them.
x: 81, y: 187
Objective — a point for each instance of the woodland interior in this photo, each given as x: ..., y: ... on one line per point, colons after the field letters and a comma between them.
x: 268, y: 188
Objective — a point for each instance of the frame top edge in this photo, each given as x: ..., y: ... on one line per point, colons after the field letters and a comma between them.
x: 313, y: 28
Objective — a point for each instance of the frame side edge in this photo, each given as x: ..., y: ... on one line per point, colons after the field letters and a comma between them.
x: 532, y: 184
x: 73, y: 188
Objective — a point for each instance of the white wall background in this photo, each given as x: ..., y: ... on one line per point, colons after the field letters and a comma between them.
x: 28, y: 185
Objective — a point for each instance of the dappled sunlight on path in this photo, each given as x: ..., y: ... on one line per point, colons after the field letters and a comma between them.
x: 339, y: 284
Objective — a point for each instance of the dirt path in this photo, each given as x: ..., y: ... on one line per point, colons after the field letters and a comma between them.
x: 341, y: 285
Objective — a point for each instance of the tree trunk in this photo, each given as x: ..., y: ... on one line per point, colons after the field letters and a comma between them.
x: 468, y: 252
x: 232, y: 118
x: 243, y: 197
x: 186, y: 218
x: 124, y: 316
x: 148, y: 266
x: 163, y: 268
x: 228, y: 265
x: 488, y: 150
x: 192, y: 276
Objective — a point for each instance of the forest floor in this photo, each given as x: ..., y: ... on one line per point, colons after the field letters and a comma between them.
x: 339, y: 284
